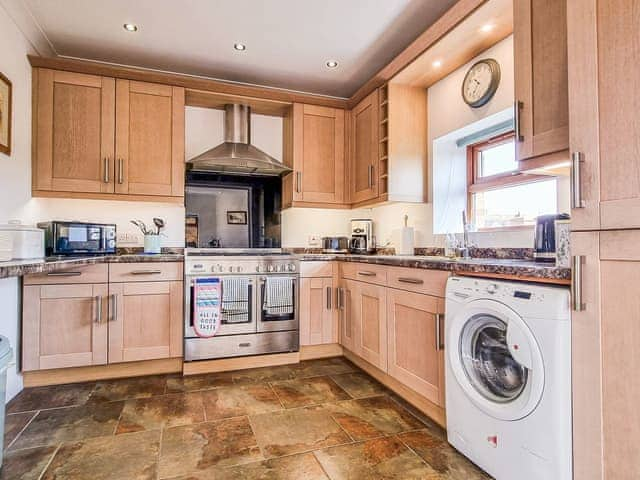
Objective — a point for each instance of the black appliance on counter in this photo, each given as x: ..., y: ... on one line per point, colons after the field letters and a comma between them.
x: 78, y: 238
x: 545, y: 237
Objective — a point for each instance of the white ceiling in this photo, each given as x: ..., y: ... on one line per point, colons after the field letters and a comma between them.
x: 288, y: 41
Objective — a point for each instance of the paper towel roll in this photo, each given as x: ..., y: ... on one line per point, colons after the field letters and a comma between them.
x: 406, y: 241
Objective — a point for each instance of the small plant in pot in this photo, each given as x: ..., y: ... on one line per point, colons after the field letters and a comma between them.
x: 151, y: 234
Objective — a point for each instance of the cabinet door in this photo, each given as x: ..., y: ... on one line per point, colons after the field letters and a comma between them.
x: 316, y: 311
x: 149, y: 139
x: 145, y: 321
x: 371, y: 311
x: 349, y: 321
x: 74, y: 132
x: 64, y: 326
x: 364, y: 145
x: 540, y: 56
x: 605, y: 126
x: 416, y: 356
x: 318, y: 154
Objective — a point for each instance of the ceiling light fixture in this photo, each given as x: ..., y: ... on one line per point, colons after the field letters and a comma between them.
x: 130, y: 27
x: 486, y: 28
x: 437, y: 64
x: 332, y: 64
x: 241, y: 47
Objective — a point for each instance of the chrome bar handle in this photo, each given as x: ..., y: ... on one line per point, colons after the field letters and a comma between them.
x: 329, y: 293
x: 577, y: 303
x: 106, y: 169
x: 120, y: 170
x: 98, y: 303
x: 64, y: 274
x: 413, y: 281
x: 366, y: 273
x: 439, y: 343
x: 298, y: 182
x: 370, y: 174
x: 340, y: 298
x: 576, y: 180
x: 517, y: 107
x: 146, y: 272
x: 114, y: 308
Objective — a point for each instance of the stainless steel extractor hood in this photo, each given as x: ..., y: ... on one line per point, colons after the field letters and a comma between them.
x: 236, y: 155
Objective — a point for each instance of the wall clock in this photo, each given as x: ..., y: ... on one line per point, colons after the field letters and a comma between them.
x: 481, y: 82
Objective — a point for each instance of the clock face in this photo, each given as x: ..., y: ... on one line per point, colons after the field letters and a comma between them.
x: 481, y: 83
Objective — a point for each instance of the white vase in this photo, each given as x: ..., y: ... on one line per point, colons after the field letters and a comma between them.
x: 152, y: 244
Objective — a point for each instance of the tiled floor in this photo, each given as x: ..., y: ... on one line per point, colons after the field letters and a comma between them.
x: 321, y: 419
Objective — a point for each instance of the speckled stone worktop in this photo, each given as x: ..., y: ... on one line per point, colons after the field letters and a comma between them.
x: 527, y: 270
x: 17, y: 268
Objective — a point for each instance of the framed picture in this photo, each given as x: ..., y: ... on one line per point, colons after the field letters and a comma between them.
x: 5, y: 115
x: 237, y: 218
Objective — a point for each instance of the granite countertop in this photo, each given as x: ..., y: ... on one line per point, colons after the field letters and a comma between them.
x: 522, y: 268
x: 17, y: 268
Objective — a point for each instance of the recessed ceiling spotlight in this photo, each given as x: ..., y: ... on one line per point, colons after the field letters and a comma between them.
x: 486, y: 28
x: 130, y: 27
x: 241, y: 47
x: 332, y: 64
x: 437, y: 64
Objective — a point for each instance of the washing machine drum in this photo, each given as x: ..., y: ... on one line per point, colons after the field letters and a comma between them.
x: 496, y: 360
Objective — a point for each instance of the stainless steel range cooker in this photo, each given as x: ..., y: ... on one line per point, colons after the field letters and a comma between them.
x: 259, y: 302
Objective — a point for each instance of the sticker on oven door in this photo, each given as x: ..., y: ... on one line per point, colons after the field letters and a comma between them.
x: 207, y: 306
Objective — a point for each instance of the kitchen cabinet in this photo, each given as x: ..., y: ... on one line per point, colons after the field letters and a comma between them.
x: 603, y: 80
x: 317, y: 135
x: 149, y: 139
x: 317, y: 311
x: 349, y: 320
x: 416, y: 336
x: 146, y: 321
x: 541, y: 84
x: 98, y: 137
x: 371, y: 313
x: 606, y: 421
x: 364, y: 153
x: 84, y: 316
x: 74, y: 127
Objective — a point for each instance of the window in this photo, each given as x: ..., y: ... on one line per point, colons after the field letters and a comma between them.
x: 501, y: 197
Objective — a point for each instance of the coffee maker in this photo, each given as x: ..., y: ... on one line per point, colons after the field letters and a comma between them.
x: 362, y: 240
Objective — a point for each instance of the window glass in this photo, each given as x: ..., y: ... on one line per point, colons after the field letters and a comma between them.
x: 515, y: 205
x: 496, y: 160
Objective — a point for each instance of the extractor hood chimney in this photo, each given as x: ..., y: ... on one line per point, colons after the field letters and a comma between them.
x: 236, y: 155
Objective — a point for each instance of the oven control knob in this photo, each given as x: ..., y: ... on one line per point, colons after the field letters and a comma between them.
x: 258, y: 268
x: 239, y: 269
x: 270, y: 268
x: 291, y: 267
x: 230, y: 269
x: 281, y: 268
x: 492, y: 288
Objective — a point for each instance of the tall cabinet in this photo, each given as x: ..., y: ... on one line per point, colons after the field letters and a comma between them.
x: 603, y: 52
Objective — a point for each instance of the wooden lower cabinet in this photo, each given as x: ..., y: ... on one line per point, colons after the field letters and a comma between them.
x: 146, y: 321
x: 349, y: 322
x: 317, y: 312
x: 64, y: 326
x: 371, y: 313
x: 415, y: 353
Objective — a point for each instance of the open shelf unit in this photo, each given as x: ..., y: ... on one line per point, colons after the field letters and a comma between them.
x: 383, y: 135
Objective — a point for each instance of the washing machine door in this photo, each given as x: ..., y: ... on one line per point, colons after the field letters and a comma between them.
x: 496, y: 359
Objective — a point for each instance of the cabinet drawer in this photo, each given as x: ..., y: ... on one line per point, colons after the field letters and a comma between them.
x: 429, y: 282
x: 316, y: 269
x: 145, y: 272
x: 364, y: 272
x: 71, y: 275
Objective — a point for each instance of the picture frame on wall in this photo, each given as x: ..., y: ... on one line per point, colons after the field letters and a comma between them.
x: 236, y: 217
x: 5, y: 115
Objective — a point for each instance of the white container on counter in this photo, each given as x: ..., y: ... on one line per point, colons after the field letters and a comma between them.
x: 25, y: 241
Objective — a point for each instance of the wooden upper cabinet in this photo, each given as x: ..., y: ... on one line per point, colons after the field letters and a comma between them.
x: 145, y: 321
x: 74, y: 132
x: 318, y: 154
x: 100, y: 137
x: 149, y: 139
x: 416, y: 356
x: 364, y: 149
x: 541, y: 85
x: 64, y: 325
x: 605, y: 126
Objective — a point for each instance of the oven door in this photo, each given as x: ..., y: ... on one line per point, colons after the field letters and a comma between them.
x: 238, y: 305
x: 278, y: 301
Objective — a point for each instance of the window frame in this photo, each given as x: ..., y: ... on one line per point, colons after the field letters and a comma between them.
x: 476, y: 184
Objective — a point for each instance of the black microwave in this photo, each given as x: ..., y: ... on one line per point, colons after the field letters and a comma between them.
x: 78, y: 238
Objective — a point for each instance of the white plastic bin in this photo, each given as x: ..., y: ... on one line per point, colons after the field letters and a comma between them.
x: 6, y: 355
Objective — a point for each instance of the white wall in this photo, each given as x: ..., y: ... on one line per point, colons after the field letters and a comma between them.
x: 15, y: 170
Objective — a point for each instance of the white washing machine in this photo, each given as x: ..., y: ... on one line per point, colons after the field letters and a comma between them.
x: 508, y: 377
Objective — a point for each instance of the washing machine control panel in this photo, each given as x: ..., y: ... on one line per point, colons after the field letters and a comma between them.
x: 500, y: 290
